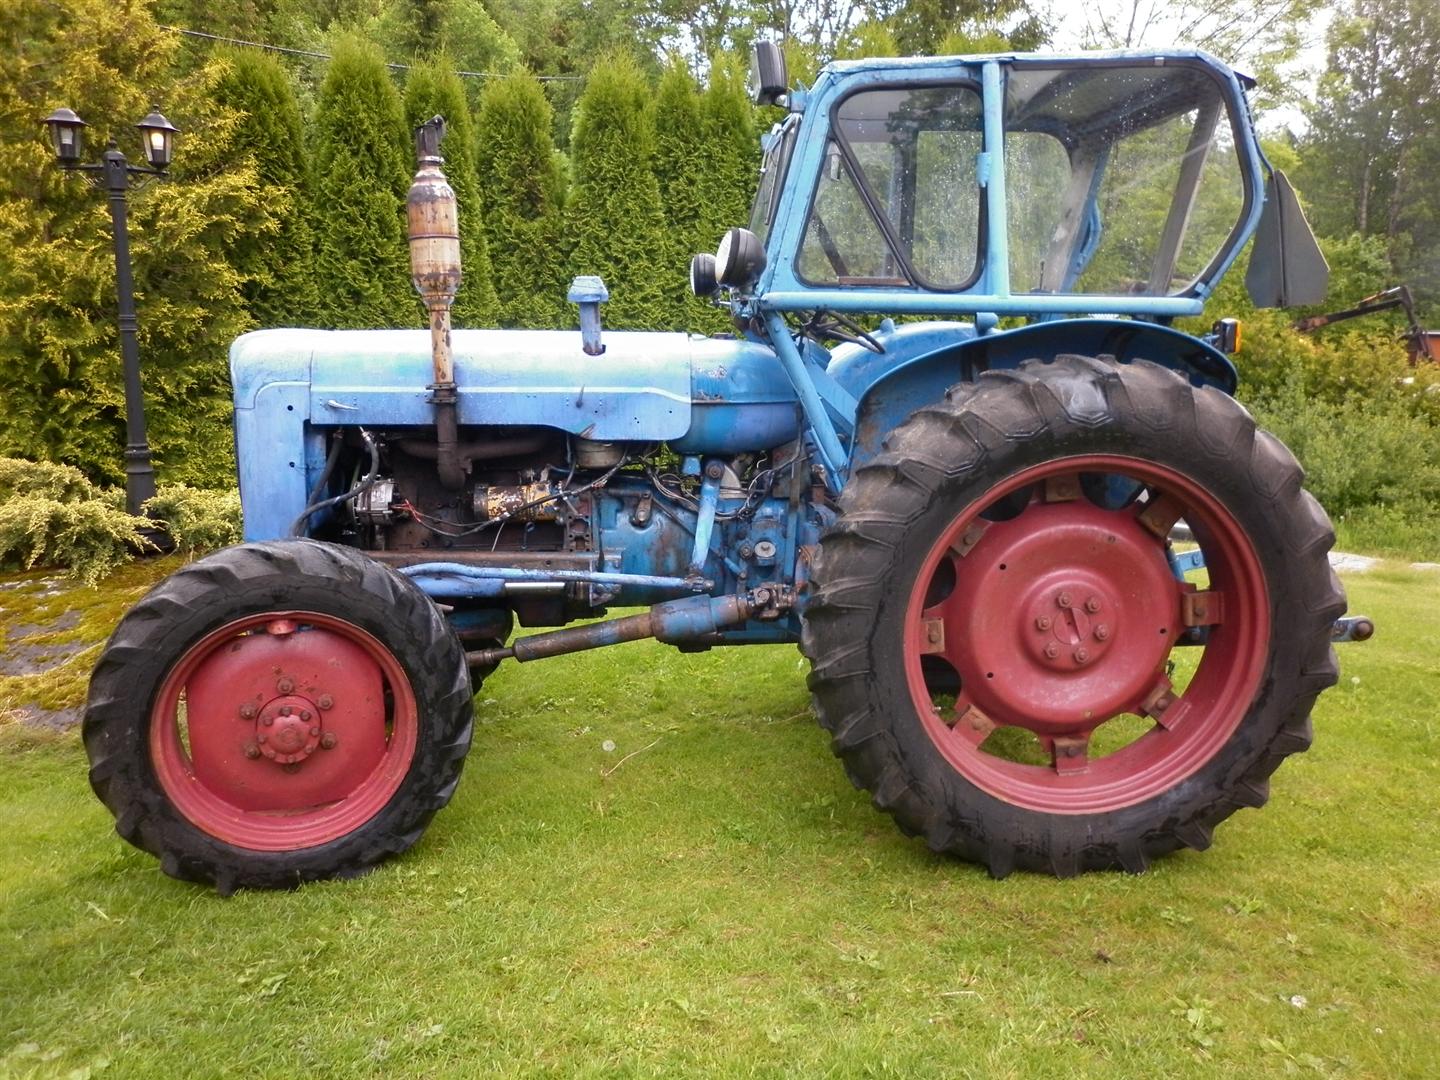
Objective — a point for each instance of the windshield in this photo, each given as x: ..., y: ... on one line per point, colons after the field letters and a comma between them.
x: 1120, y: 179
x: 898, y: 201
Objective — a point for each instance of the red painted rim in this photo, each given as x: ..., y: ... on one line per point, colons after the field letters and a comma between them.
x: 283, y: 730
x: 1059, y: 615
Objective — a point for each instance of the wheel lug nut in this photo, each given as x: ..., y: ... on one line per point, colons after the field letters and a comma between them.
x: 285, y: 685
x: 268, y: 721
x: 1102, y: 632
x: 1042, y: 623
x: 325, y: 701
x: 1092, y: 604
x: 1052, y: 650
x: 286, y: 710
x: 1082, y: 656
x: 252, y: 751
x: 247, y: 711
x: 314, y: 731
x: 304, y: 714
x: 328, y: 741
x: 1063, y: 600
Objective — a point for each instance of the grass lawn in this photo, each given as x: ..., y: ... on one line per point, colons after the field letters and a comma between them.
x: 723, y: 902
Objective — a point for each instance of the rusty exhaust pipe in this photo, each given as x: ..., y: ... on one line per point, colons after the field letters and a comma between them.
x: 434, y: 226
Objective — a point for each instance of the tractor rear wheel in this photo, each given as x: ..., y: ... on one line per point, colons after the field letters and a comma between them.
x: 278, y: 713
x: 1006, y: 649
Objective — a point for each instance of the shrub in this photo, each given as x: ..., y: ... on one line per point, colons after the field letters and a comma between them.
x: 197, y: 520
x: 430, y: 89
x: 62, y: 483
x: 51, y: 515
x: 362, y: 171
x: 89, y: 538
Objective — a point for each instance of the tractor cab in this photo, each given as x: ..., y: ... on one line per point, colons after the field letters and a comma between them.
x: 1015, y: 185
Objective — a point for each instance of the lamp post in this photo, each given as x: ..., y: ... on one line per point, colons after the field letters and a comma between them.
x: 114, y: 174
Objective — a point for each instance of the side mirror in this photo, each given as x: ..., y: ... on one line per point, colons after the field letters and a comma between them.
x: 1287, y: 267
x: 768, y: 82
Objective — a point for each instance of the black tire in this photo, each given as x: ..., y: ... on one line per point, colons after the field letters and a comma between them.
x: 361, y: 596
x: 945, y: 458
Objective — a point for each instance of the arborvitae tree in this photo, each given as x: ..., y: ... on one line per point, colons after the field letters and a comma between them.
x: 279, y: 269
x: 433, y: 88
x: 731, y: 167
x: 524, y: 188
x: 614, y: 216
x: 61, y: 377
x: 679, y: 161
x: 363, y: 164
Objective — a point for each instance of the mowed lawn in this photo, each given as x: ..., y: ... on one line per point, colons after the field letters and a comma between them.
x: 724, y: 903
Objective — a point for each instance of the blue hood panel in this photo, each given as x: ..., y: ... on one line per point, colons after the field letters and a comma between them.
x: 635, y: 390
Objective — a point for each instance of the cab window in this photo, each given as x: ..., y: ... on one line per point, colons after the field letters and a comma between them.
x: 898, y: 200
x: 1120, y: 180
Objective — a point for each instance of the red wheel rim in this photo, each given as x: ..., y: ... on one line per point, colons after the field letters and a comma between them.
x: 1059, y: 613
x: 283, y: 730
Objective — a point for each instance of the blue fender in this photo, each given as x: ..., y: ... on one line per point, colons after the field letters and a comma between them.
x: 952, y: 353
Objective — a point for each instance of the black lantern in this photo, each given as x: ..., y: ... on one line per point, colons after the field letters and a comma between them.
x: 67, y: 135
x: 158, y: 134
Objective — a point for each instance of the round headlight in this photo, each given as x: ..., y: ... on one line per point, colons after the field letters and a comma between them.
x: 702, y: 275
x: 740, y: 259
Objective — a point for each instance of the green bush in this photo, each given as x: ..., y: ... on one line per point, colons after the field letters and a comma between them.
x: 63, y: 483
x: 1372, y: 457
x: 51, y: 515
x: 363, y: 165
x: 524, y: 189
x: 197, y: 520
x: 89, y: 538
x: 615, y: 218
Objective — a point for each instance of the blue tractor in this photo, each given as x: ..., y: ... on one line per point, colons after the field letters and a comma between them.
x: 1065, y: 606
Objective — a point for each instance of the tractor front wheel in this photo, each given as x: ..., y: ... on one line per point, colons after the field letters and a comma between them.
x: 277, y: 713
x: 1006, y: 646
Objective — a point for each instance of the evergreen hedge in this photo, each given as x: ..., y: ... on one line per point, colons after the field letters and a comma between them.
x: 680, y: 158
x: 431, y: 89
x: 523, y: 181
x: 364, y: 160
x: 614, y: 218
x: 280, y: 285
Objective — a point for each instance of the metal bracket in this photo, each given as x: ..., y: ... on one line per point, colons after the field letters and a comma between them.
x: 827, y: 440
x: 705, y: 519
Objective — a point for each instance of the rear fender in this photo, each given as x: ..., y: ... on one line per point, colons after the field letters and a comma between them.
x: 923, y: 379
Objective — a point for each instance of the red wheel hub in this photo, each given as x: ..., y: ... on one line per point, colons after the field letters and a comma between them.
x: 1067, y: 612
x: 288, y: 730
x: 282, y: 731
x: 1062, y: 617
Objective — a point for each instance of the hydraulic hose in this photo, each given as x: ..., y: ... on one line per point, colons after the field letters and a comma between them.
x: 297, y: 527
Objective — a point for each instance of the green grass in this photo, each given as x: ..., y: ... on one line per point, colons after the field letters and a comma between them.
x: 724, y: 903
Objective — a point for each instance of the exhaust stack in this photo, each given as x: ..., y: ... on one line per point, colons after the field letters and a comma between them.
x: 434, y: 227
